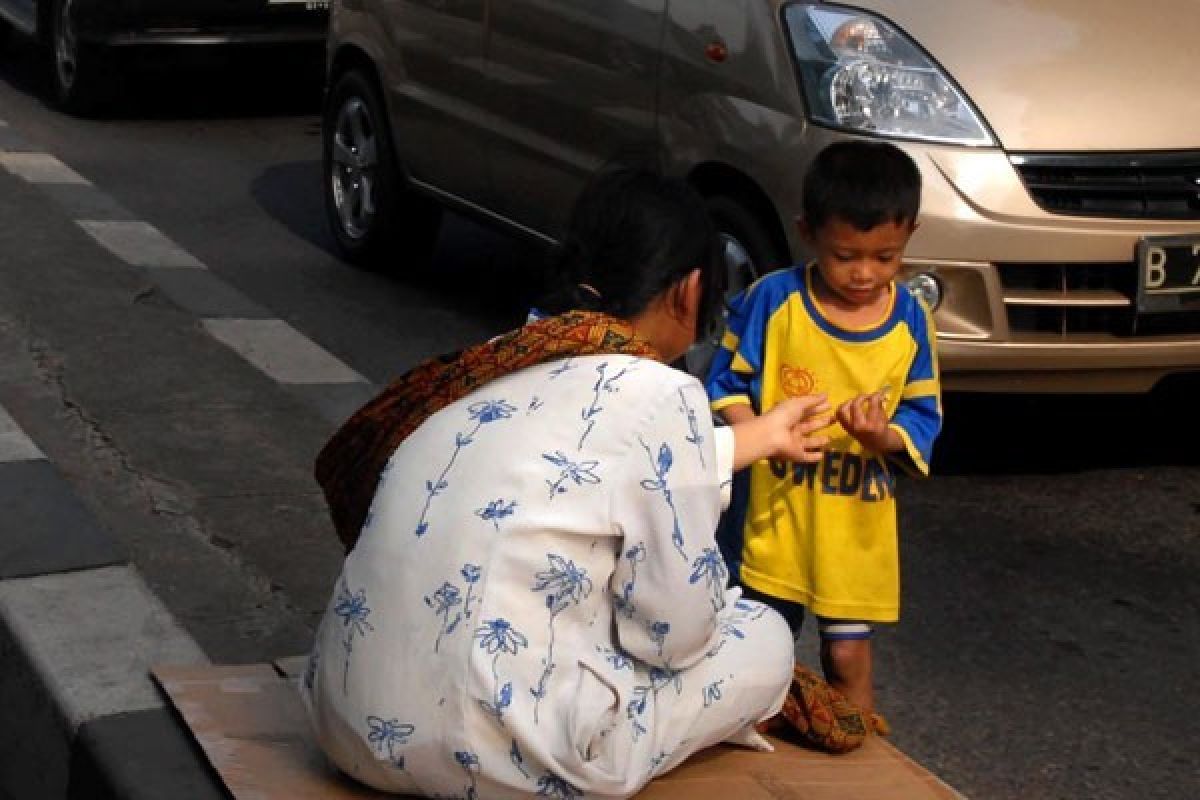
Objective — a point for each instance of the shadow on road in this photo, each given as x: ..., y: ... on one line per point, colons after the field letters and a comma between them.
x: 1023, y: 434
x: 477, y: 269
x: 187, y: 83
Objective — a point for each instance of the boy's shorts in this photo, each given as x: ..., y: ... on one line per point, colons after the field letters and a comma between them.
x: 793, y: 614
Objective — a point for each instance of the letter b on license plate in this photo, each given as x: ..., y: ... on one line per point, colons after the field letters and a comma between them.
x: 1169, y: 273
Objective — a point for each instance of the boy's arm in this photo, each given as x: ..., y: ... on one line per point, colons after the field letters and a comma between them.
x: 738, y: 360
x: 737, y: 413
x: 918, y: 419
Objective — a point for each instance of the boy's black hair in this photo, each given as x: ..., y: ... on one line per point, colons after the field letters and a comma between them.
x: 863, y: 183
x: 632, y: 235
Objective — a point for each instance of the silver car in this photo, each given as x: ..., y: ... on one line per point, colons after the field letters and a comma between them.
x: 1059, y: 141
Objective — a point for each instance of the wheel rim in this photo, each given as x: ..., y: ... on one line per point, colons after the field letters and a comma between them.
x: 354, y: 165
x: 66, y: 46
x: 740, y: 269
x: 740, y: 272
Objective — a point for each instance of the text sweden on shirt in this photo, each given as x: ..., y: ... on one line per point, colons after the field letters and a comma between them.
x: 844, y: 474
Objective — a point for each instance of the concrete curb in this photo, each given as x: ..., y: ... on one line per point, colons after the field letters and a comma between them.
x: 79, y: 630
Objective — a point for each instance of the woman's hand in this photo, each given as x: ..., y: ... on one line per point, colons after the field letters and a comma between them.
x: 791, y: 430
x: 799, y: 422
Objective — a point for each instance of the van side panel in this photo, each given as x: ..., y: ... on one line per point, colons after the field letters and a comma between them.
x: 574, y: 86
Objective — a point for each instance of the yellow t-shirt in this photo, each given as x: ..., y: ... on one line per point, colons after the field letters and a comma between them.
x: 825, y: 534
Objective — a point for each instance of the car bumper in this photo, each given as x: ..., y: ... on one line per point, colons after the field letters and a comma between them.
x: 127, y: 23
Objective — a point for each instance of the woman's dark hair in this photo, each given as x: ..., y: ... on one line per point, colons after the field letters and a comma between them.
x: 632, y: 235
x: 863, y: 183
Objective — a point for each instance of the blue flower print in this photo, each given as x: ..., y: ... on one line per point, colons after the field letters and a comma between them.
x: 710, y: 567
x: 564, y: 368
x: 712, y: 693
x: 619, y: 661
x: 662, y: 677
x: 565, y: 585
x: 658, y: 634
x: 496, y: 510
x: 662, y: 465
x: 636, y: 708
x: 640, y: 697
x: 443, y: 601
x: 578, y: 473
x: 552, y: 786
x: 624, y: 601
x: 604, y: 384
x: 491, y: 410
x: 353, y: 610
x: 497, y: 637
x: 471, y: 574
x: 518, y: 760
x: 386, y: 734
x: 694, y: 437
x: 470, y: 764
x: 482, y: 413
x: 732, y: 626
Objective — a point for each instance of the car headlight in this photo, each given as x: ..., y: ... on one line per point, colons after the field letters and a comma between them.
x: 862, y: 74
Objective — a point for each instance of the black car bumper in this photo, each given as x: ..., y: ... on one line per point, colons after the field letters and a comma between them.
x: 201, y: 22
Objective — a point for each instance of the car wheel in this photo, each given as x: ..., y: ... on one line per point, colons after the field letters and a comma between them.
x: 750, y: 252
x: 82, y: 79
x: 377, y: 221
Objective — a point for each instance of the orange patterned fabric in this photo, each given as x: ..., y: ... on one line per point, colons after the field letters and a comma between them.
x: 349, y: 466
x: 821, y: 716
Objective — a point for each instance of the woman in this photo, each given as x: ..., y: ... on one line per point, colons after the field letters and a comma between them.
x: 536, y: 604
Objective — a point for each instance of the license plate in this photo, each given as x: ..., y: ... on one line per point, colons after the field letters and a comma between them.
x: 1169, y: 273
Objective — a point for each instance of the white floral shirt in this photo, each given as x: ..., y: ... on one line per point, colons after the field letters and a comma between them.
x: 537, y: 605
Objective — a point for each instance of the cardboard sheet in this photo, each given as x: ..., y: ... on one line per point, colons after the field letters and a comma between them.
x: 250, y: 723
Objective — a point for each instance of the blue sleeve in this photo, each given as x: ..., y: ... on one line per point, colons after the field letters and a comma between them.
x: 732, y: 378
x: 918, y: 418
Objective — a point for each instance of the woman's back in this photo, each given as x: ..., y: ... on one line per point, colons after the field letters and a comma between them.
x: 497, y: 578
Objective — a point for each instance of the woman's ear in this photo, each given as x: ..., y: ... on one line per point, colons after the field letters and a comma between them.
x: 686, y: 297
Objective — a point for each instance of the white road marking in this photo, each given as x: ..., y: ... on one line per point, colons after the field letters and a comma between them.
x: 281, y: 351
x: 15, y: 445
x: 139, y: 243
x: 40, y: 168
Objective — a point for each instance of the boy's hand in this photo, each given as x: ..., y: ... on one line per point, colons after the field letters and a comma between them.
x: 865, y: 419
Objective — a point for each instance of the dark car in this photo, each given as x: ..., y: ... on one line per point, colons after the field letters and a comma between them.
x: 83, y: 36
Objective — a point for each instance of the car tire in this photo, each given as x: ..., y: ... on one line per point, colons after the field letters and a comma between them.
x: 377, y: 221
x: 82, y: 72
x: 751, y: 251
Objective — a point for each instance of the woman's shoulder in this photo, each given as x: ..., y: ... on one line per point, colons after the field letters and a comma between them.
x: 618, y: 379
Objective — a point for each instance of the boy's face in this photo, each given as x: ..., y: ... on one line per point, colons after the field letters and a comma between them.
x: 859, y: 266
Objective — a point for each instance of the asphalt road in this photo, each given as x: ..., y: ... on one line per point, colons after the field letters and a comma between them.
x: 1050, y: 642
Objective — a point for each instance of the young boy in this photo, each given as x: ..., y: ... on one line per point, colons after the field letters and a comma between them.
x: 822, y: 536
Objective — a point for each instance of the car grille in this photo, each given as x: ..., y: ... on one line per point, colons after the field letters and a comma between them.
x: 1114, y: 185
x: 1084, y: 299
